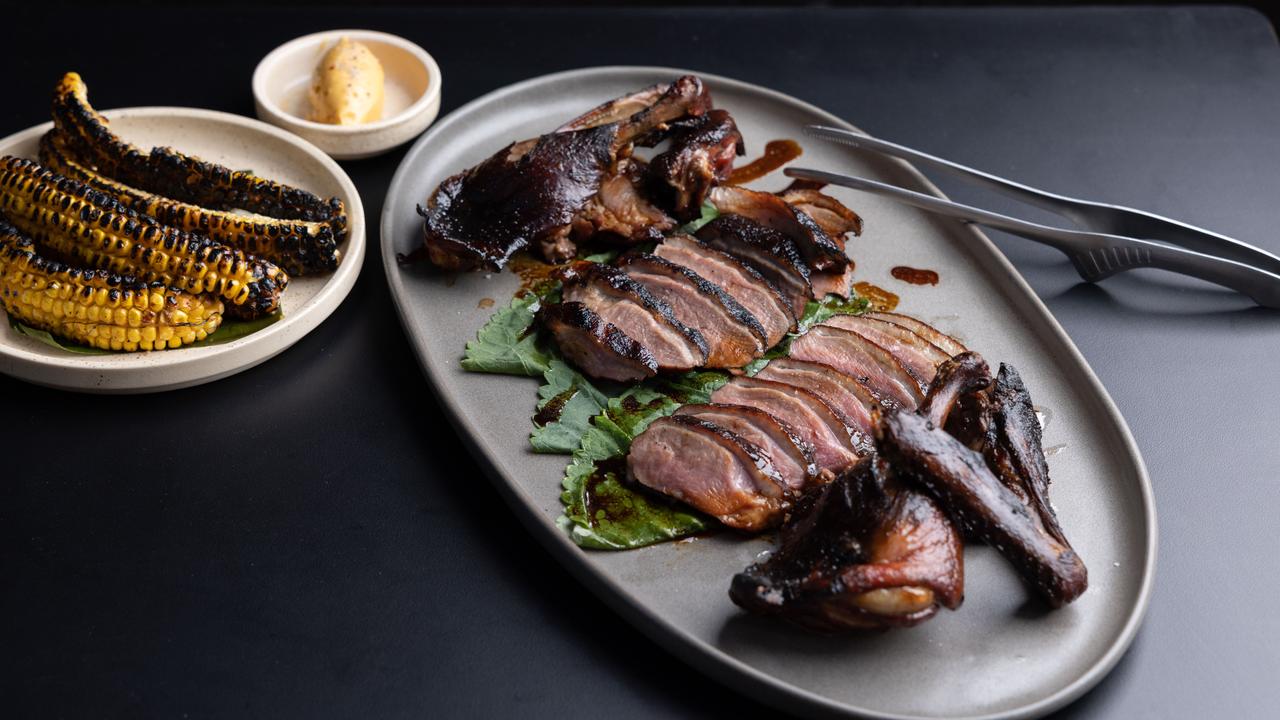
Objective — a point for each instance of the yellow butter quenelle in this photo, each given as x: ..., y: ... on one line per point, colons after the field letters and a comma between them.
x: 347, y: 86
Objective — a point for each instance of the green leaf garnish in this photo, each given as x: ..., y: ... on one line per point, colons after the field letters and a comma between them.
x: 596, y: 421
x: 507, y: 344
x: 707, y: 213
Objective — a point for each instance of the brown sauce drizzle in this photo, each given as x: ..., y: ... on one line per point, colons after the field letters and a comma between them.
x: 599, y: 503
x: 551, y: 411
x: 534, y: 274
x: 915, y: 276
x: 881, y: 300
x: 776, y: 154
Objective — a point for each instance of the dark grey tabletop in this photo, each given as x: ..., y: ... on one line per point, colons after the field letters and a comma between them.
x: 306, y: 539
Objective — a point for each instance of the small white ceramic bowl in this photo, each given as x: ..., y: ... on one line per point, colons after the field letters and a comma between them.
x: 411, y: 102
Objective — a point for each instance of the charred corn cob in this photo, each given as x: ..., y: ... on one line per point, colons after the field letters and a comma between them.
x: 82, y: 224
x: 164, y: 171
x: 298, y: 246
x: 97, y: 308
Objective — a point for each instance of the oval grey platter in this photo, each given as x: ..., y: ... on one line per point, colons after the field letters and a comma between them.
x: 1001, y: 654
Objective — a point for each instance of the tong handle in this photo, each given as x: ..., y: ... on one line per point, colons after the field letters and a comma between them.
x: 1094, y: 255
x: 1101, y: 217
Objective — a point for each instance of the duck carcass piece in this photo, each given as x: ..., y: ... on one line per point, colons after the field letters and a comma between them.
x: 949, y: 345
x: 768, y: 251
x: 862, y: 552
x: 529, y: 193
x: 957, y: 379
x: 792, y: 457
x: 818, y: 249
x: 759, y: 296
x: 920, y: 357
x: 645, y: 113
x: 596, y: 347
x: 701, y: 156
x: 713, y: 469
x: 808, y: 415
x: 619, y: 212
x: 982, y: 505
x: 1014, y: 450
x: 861, y: 359
x: 850, y: 399
x: 625, y: 304
x: 734, y: 336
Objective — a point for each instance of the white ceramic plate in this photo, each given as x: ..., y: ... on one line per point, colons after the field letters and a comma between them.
x: 999, y: 655
x: 236, y: 142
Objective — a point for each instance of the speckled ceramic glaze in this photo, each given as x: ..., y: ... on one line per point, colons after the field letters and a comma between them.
x: 237, y: 142
x: 999, y: 655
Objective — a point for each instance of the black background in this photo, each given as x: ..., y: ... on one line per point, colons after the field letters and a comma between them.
x: 306, y: 539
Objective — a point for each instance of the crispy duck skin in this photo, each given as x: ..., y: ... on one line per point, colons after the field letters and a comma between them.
x: 862, y: 552
x: 164, y: 171
x: 300, y: 247
x: 645, y: 114
x: 711, y: 468
x: 533, y: 193
x: 596, y: 347
x: 819, y: 250
x: 524, y: 195
x: 982, y: 505
x: 700, y: 157
x: 617, y: 299
x: 768, y: 251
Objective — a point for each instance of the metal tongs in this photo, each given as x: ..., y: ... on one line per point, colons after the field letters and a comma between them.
x: 1109, y: 241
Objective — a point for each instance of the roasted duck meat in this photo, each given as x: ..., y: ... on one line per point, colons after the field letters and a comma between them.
x: 864, y: 551
x: 712, y: 468
x: 982, y: 505
x: 819, y: 250
x: 632, y: 310
x: 811, y: 417
x: 700, y: 157
x: 595, y: 346
x: 854, y: 355
x: 769, y: 252
x: 533, y: 193
x: 734, y: 336
x: 791, y: 456
x: 759, y: 296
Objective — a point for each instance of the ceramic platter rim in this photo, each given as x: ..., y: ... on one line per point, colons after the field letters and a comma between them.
x: 714, y: 660
x: 184, y: 367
